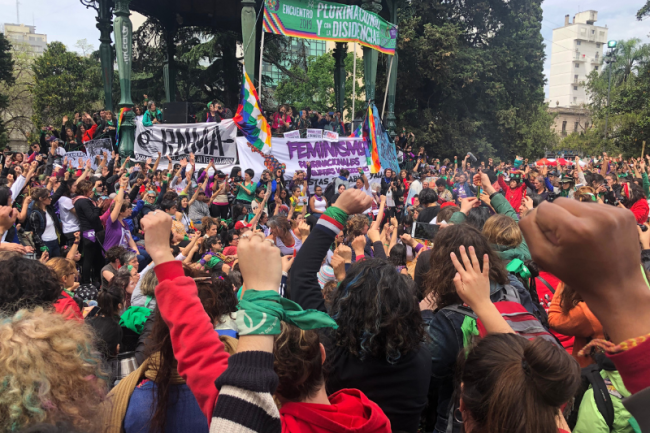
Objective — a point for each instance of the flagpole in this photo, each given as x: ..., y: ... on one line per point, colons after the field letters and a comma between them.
x: 354, y: 82
x: 390, y: 68
x: 259, y: 81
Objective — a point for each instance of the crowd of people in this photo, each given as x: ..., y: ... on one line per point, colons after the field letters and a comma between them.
x: 453, y: 295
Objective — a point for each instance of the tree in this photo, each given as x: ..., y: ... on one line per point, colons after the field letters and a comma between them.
x: 630, y: 56
x: 644, y: 11
x: 312, y: 84
x: 64, y: 83
x: 85, y: 48
x: 19, y: 110
x: 6, y: 77
x: 471, y: 77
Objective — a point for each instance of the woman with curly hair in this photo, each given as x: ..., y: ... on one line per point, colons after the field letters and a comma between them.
x: 51, y: 373
x: 380, y: 330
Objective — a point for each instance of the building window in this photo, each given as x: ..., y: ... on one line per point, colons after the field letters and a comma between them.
x: 575, y: 99
x: 564, y: 126
x: 597, y: 45
x: 593, y: 32
x: 577, y: 65
x: 595, y: 68
x: 575, y: 127
x: 578, y: 42
x: 575, y: 79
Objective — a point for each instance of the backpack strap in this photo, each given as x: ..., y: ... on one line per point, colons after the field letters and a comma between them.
x: 601, y: 394
x: 546, y: 283
x: 461, y: 309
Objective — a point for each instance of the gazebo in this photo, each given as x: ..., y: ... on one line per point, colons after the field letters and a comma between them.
x: 234, y: 15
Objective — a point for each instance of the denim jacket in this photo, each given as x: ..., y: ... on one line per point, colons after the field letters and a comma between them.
x: 446, y: 341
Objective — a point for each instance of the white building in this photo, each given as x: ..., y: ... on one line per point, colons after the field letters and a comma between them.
x: 577, y: 50
x: 21, y: 33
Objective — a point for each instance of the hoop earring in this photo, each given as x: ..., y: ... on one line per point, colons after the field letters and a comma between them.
x: 460, y: 421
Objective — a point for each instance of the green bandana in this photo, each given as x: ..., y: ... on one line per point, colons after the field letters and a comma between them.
x: 516, y: 266
x: 134, y: 317
x: 262, y: 311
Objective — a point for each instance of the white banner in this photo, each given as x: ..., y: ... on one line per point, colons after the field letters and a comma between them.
x: 326, y: 158
x: 314, y: 133
x: 292, y: 134
x: 95, y: 150
x: 331, y: 135
x: 208, y: 141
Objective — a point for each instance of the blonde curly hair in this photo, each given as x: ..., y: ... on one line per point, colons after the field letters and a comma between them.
x: 50, y: 372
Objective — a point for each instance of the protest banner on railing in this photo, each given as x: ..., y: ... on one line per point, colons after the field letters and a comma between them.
x: 208, y: 141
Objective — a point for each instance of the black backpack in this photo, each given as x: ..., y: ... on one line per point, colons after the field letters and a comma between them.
x: 590, y: 376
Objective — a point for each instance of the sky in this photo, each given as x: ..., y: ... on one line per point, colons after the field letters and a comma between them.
x: 69, y: 21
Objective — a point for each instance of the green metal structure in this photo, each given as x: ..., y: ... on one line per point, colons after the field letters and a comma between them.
x: 234, y: 15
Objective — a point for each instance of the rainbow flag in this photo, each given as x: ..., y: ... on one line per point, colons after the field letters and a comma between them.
x: 369, y: 133
x: 249, y: 118
x: 120, y: 119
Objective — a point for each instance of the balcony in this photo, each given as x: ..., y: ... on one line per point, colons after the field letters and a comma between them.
x: 580, y: 57
x: 596, y: 60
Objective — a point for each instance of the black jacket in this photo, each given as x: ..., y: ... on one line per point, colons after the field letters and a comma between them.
x: 88, y: 215
x: 402, y: 391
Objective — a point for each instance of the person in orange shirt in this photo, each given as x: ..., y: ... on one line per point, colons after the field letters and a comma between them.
x: 570, y: 315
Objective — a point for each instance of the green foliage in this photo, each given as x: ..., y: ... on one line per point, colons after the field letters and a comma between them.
x: 18, y: 92
x: 628, y: 123
x: 644, y: 11
x: 64, y: 82
x: 313, y: 87
x: 6, y: 77
x: 471, y: 77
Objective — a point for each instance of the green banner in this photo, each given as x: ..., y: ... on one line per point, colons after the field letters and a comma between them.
x: 311, y: 19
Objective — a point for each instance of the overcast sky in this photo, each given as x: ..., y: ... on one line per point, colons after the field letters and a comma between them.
x: 68, y: 21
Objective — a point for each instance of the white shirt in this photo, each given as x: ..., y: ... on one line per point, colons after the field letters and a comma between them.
x: 16, y: 187
x: 50, y: 232
x: 69, y: 220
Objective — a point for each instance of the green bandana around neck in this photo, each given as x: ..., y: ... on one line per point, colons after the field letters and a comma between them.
x: 516, y: 266
x: 262, y: 311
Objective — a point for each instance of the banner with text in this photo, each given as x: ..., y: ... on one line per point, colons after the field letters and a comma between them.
x: 208, y: 141
x: 311, y: 19
x: 327, y: 158
x: 95, y: 150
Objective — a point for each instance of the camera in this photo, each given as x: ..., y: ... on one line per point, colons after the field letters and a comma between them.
x: 552, y: 196
x: 237, y: 179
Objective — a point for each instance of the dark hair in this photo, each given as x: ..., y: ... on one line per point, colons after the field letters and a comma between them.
x: 109, y: 299
x: 441, y: 182
x: 377, y: 312
x: 250, y: 172
x: 115, y: 253
x: 439, y: 279
x: 235, y: 276
x: 108, y: 333
x: 636, y: 194
x: 208, y: 242
x: 477, y: 216
x: 167, y: 205
x: 234, y: 171
x: 161, y: 342
x: 428, y: 196
x: 169, y: 196
x: 224, y: 300
x: 569, y: 299
x: 397, y: 255
x: 237, y: 211
x: 227, y: 237
x: 5, y: 194
x: 26, y: 283
x: 298, y: 363
x: 511, y: 384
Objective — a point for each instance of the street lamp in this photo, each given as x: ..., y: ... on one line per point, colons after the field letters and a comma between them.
x: 609, y: 59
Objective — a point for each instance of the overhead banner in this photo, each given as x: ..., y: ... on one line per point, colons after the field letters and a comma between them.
x: 327, y: 158
x: 310, y: 19
x: 385, y: 149
x: 208, y: 141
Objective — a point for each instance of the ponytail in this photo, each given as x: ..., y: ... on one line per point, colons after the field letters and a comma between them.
x: 109, y: 300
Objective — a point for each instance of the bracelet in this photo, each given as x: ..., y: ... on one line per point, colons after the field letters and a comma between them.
x: 76, y: 243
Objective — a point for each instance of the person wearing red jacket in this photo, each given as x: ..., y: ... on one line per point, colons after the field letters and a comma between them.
x: 514, y: 190
x: 636, y: 201
x: 66, y: 272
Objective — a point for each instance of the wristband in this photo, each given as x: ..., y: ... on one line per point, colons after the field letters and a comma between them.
x: 337, y: 214
x: 262, y: 311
